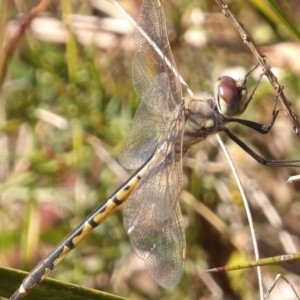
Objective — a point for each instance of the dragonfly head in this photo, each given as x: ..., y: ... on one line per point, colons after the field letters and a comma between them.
x: 230, y: 96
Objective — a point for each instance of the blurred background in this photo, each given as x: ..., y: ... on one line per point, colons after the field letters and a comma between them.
x: 66, y: 107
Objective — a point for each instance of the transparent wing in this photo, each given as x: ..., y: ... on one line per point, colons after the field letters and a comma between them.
x: 160, y: 243
x: 155, y: 83
x: 147, y: 63
x: 158, y: 191
x: 150, y: 125
x: 152, y: 216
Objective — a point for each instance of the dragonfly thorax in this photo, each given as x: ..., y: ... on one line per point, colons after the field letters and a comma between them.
x: 204, y: 119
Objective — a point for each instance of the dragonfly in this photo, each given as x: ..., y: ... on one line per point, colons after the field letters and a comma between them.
x: 165, y: 126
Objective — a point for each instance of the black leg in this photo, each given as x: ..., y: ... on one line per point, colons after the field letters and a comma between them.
x: 256, y: 86
x: 261, y: 128
x: 248, y: 74
x: 258, y: 158
x: 242, y: 86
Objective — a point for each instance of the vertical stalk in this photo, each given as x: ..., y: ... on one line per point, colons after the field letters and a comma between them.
x: 71, y: 46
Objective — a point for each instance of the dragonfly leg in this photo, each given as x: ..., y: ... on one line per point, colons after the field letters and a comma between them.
x: 249, y: 98
x: 261, y: 128
x: 258, y: 158
x: 248, y: 74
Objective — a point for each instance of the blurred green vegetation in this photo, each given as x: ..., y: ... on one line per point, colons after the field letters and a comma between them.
x: 65, y: 111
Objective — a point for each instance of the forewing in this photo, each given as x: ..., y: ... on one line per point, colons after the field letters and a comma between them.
x: 147, y: 63
x: 156, y: 84
x: 160, y: 243
x: 150, y: 125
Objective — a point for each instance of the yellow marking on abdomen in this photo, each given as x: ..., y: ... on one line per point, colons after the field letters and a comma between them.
x: 121, y: 197
x: 46, y: 273
x: 109, y: 208
x: 124, y: 194
x: 86, y: 230
x: 62, y: 255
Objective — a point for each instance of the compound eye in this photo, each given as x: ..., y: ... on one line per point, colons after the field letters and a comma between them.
x: 228, y: 96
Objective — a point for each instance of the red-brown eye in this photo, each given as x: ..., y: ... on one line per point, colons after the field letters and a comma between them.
x: 227, y: 96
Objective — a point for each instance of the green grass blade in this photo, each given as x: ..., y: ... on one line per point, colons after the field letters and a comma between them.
x: 285, y: 19
x: 49, y: 288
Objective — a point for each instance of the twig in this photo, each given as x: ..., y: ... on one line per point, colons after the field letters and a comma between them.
x: 263, y: 62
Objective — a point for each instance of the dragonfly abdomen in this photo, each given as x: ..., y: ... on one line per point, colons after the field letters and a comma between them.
x: 42, y: 270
